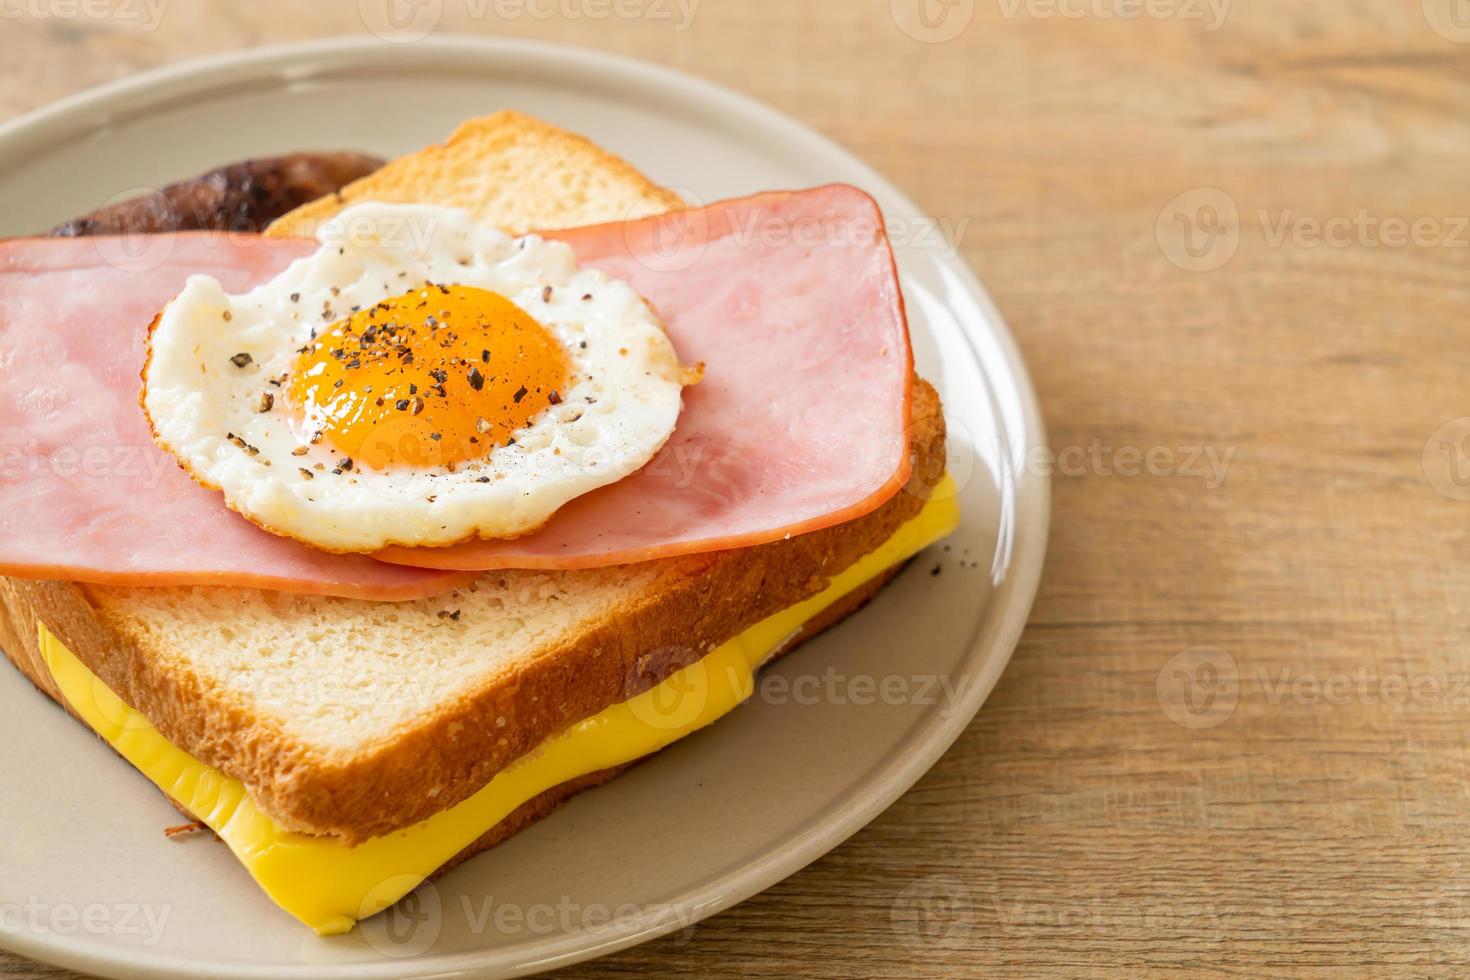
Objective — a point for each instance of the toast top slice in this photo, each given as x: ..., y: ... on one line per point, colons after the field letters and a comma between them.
x: 509, y: 170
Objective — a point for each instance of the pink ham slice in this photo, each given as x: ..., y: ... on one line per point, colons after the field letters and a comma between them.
x: 790, y: 300
x: 792, y: 303
x: 84, y: 494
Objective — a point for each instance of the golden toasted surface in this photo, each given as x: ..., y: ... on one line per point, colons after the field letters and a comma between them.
x: 543, y: 804
x: 509, y: 170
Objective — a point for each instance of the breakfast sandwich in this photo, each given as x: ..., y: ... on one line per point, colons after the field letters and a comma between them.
x: 372, y: 538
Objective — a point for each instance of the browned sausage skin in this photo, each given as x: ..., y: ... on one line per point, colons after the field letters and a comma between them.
x: 244, y: 196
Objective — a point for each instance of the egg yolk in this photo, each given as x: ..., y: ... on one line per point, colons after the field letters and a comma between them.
x: 435, y: 377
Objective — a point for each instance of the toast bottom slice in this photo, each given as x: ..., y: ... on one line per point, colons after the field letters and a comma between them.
x: 329, y: 885
x: 250, y: 683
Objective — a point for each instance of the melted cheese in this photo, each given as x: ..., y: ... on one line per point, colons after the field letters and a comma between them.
x: 329, y: 885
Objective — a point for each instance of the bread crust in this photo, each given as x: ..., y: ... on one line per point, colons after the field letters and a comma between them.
x: 548, y: 802
x: 455, y: 751
x: 542, y: 805
x: 455, y: 172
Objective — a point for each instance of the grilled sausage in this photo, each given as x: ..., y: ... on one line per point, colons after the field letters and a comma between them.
x: 242, y: 197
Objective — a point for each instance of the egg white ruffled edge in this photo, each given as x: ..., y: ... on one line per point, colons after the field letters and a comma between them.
x: 353, y: 512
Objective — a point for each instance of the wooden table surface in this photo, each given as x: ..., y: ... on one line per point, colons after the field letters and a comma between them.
x: 1232, y: 241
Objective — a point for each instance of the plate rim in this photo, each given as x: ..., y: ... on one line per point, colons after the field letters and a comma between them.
x: 1013, y: 597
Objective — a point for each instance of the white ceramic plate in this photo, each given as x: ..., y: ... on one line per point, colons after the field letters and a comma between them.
x: 87, y: 879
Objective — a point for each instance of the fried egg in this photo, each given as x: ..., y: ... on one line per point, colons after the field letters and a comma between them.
x: 418, y: 380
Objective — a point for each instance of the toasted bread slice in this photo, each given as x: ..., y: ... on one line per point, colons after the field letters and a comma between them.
x: 511, y: 171
x: 352, y: 719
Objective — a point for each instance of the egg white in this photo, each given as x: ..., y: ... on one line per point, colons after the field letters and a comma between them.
x: 620, y: 406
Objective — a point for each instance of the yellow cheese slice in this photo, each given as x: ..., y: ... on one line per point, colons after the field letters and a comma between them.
x: 329, y: 885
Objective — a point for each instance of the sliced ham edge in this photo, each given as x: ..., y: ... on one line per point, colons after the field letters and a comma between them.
x: 854, y: 420
x: 85, y: 495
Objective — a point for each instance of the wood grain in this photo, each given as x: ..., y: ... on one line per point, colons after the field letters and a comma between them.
x: 1102, y: 814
